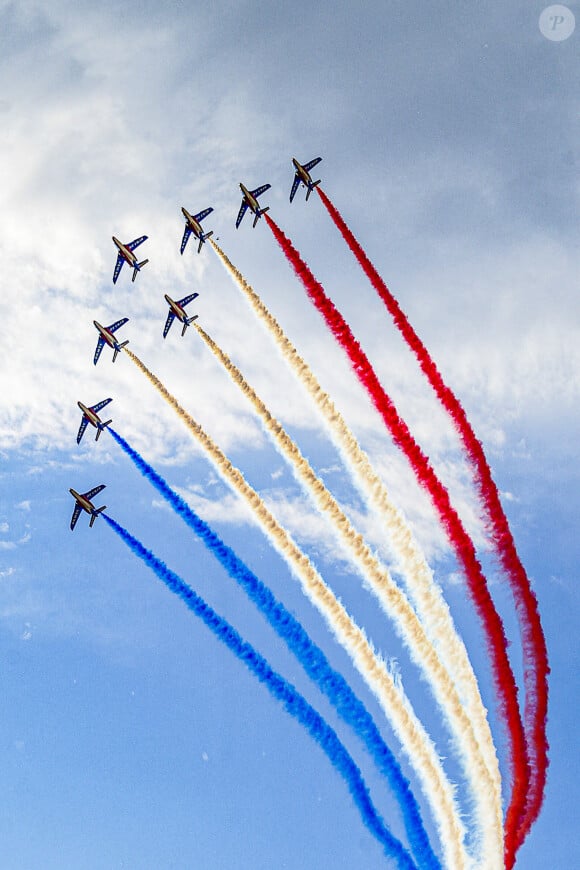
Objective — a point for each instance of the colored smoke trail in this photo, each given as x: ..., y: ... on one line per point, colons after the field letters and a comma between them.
x: 486, y: 797
x: 388, y: 691
x: 421, y: 587
x: 536, y: 667
x: 310, y: 656
x: 504, y: 680
x: 282, y: 691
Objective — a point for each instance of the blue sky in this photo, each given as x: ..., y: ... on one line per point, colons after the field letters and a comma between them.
x: 129, y: 737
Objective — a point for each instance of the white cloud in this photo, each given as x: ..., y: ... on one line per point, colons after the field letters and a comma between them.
x: 12, y: 545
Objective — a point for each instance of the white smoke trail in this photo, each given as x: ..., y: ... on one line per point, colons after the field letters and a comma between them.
x: 396, y: 605
x: 421, y: 587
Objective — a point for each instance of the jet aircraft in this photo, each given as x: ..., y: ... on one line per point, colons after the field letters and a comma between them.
x: 126, y: 255
x: 83, y: 502
x: 90, y: 415
x: 193, y: 225
x: 303, y: 176
x: 106, y: 335
x: 176, y: 309
x: 250, y: 199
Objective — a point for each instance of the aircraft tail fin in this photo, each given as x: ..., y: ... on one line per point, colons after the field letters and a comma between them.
x: 137, y: 267
x: 187, y: 322
x: 260, y: 212
x: 311, y: 188
x: 202, y: 239
x: 96, y: 514
x: 117, y: 349
x: 101, y: 428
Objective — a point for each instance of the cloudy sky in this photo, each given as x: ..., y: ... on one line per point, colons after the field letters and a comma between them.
x: 129, y: 737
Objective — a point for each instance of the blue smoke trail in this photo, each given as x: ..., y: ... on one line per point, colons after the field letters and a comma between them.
x: 283, y: 691
x: 311, y: 657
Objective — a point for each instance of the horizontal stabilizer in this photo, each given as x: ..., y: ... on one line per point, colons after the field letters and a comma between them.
x: 95, y: 514
x: 259, y: 213
x: 137, y: 267
x: 311, y: 188
x: 188, y: 322
x: 118, y: 348
x: 202, y: 239
x: 101, y: 427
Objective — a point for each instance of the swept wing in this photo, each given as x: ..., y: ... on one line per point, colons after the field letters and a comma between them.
x: 118, y: 266
x: 312, y: 163
x: 76, y: 514
x: 136, y: 242
x: 185, y: 239
x: 241, y: 212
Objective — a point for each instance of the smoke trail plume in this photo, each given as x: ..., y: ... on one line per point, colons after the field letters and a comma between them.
x: 536, y: 668
x: 504, y: 680
x: 282, y: 691
x: 486, y: 798
x: 394, y: 702
x: 310, y: 656
x: 420, y: 585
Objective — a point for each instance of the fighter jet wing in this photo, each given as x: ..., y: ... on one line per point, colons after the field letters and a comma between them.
x: 115, y: 326
x: 136, y: 242
x: 308, y: 166
x: 185, y: 239
x: 187, y: 299
x: 94, y: 491
x: 295, y: 184
x: 168, y: 322
x: 96, y: 408
x: 241, y: 212
x: 118, y: 266
x: 76, y: 514
x: 83, y: 426
x: 260, y: 190
x: 203, y: 214
x: 100, y: 346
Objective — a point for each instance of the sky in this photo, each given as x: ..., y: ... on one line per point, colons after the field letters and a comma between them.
x: 448, y: 134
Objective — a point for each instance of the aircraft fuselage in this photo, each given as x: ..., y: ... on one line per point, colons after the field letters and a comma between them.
x: 124, y: 251
x: 251, y: 200
x: 106, y: 335
x: 93, y: 418
x: 303, y: 173
x: 86, y: 505
x: 176, y: 308
x: 194, y: 226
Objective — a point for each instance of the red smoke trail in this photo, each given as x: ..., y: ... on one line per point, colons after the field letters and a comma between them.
x: 505, y: 683
x: 536, y: 667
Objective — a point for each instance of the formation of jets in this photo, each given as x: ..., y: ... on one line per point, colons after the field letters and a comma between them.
x: 125, y: 254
